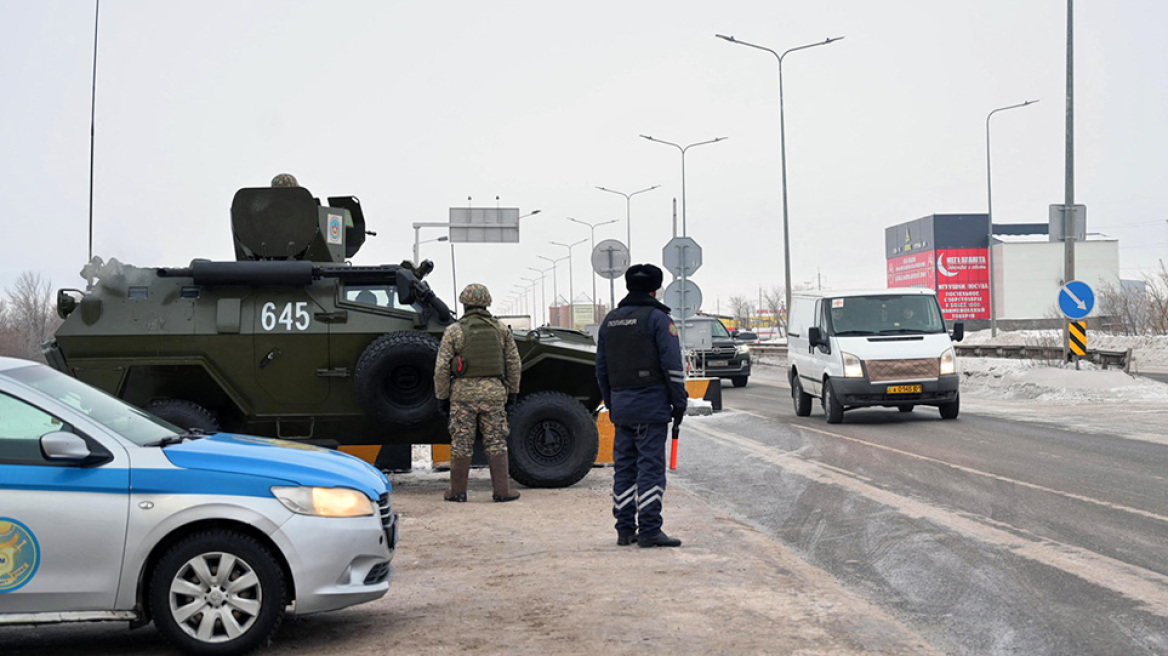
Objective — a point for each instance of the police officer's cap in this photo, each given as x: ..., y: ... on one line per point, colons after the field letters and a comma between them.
x: 643, y: 278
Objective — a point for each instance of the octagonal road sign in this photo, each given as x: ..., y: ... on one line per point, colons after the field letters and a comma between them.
x: 610, y: 259
x: 682, y: 256
x: 683, y: 300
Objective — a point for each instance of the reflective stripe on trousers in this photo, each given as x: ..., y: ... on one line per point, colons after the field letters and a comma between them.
x: 638, y: 479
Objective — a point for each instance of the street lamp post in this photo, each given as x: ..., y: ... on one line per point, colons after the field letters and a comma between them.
x: 542, y: 291
x: 592, y: 232
x: 783, y: 146
x: 571, y: 289
x: 555, y: 282
x: 990, y: 220
x: 683, y: 149
x: 628, y: 213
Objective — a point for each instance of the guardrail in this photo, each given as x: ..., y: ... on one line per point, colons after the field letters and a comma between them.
x: 1102, y: 358
x: 1105, y: 359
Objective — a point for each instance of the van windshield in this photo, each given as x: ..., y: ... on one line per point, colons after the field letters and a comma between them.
x: 908, y: 314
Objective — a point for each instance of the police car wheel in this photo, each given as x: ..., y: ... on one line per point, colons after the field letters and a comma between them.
x: 184, y: 414
x: 739, y: 381
x: 394, y: 379
x: 553, y: 441
x: 217, y: 592
x: 831, y: 404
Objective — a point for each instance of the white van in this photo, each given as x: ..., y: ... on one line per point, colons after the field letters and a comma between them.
x: 872, y: 348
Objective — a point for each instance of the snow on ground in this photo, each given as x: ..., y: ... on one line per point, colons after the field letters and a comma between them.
x: 1002, y: 378
x: 1149, y: 352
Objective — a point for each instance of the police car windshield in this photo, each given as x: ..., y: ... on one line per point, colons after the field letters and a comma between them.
x: 124, y: 419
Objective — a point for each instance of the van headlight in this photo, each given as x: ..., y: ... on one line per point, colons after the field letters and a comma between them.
x: 948, y: 362
x: 853, y: 367
x: 742, y: 348
x: 325, y: 501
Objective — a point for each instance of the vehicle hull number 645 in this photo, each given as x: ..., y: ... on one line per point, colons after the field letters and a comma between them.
x: 293, y: 316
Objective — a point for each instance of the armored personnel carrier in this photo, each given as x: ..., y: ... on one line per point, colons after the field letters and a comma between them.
x: 291, y: 341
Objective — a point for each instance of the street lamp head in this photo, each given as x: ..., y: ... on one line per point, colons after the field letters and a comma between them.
x: 832, y: 38
x: 725, y: 38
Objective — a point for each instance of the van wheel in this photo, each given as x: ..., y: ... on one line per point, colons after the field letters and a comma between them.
x: 906, y: 407
x: 187, y: 415
x: 831, y: 404
x: 802, y: 399
x: 553, y: 441
x: 394, y: 379
x: 950, y: 410
x: 217, y: 592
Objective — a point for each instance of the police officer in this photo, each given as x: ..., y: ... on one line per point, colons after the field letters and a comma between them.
x: 638, y: 366
x: 476, y: 378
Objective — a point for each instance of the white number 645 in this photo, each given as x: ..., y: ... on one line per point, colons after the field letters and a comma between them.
x: 289, y: 317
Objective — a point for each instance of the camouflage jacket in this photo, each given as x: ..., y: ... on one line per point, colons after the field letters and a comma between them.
x: 475, y: 389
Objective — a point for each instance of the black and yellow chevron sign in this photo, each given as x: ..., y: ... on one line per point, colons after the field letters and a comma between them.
x: 1077, y: 337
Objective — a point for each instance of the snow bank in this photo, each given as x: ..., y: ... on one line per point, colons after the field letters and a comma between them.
x: 1149, y: 352
x: 1001, y: 378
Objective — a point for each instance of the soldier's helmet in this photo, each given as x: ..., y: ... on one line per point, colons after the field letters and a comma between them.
x: 285, y: 180
x: 475, y: 295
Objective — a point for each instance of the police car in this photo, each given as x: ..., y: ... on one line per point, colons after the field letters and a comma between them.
x: 108, y: 513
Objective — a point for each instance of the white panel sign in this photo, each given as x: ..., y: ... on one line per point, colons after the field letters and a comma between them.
x: 484, y: 225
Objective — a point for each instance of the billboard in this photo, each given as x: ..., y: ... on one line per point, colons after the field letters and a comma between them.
x: 959, y: 275
x: 963, y: 283
x: 916, y: 270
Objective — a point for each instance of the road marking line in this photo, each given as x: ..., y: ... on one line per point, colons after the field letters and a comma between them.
x: 1144, y: 586
x: 996, y: 477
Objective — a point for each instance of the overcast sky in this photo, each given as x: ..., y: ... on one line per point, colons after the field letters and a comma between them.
x: 414, y: 107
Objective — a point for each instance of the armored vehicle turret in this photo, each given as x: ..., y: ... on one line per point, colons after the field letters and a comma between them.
x: 292, y: 341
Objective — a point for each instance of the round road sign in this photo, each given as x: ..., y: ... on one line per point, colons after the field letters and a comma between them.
x: 610, y: 259
x: 683, y: 301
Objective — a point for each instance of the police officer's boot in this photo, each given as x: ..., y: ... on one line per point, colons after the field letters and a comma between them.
x: 501, y: 478
x: 459, y: 472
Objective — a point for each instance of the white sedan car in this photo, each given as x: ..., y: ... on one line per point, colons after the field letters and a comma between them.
x: 108, y: 513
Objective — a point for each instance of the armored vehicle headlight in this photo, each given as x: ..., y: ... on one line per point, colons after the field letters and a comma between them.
x: 948, y: 362
x: 325, y: 501
x: 852, y: 366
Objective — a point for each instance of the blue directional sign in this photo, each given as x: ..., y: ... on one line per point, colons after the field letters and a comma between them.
x: 1076, y: 299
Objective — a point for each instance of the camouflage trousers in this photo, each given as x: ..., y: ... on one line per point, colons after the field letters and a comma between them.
x: 487, y: 418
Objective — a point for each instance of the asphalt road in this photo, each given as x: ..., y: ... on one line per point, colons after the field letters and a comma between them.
x: 987, y: 534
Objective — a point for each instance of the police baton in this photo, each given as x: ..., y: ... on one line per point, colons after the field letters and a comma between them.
x: 673, y: 449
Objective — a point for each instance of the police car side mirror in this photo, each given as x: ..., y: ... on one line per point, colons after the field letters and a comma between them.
x: 958, y: 333
x: 65, y: 447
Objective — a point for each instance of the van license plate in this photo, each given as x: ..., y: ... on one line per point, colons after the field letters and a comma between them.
x: 904, y: 389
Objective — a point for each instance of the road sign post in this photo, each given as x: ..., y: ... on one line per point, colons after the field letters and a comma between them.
x: 1076, y: 299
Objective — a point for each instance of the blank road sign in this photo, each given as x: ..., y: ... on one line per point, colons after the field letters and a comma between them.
x: 610, y: 259
x: 682, y: 256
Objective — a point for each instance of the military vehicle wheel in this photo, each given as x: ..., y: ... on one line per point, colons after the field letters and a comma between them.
x: 184, y: 414
x: 553, y: 440
x: 395, y: 379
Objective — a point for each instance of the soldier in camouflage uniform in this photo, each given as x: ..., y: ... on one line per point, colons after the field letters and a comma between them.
x: 476, y: 378
x: 285, y: 180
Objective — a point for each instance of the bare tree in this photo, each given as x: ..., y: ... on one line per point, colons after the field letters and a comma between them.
x: 30, y: 318
x: 1157, y: 291
x: 773, y: 301
x: 740, y: 307
x: 1126, y: 308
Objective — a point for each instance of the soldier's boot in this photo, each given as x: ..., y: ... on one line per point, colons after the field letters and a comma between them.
x: 459, y: 472
x: 501, y: 478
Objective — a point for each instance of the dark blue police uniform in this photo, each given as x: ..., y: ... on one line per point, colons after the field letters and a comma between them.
x: 639, y: 368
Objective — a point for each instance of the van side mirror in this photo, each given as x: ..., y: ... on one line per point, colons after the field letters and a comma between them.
x: 814, y: 336
x: 958, y: 333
